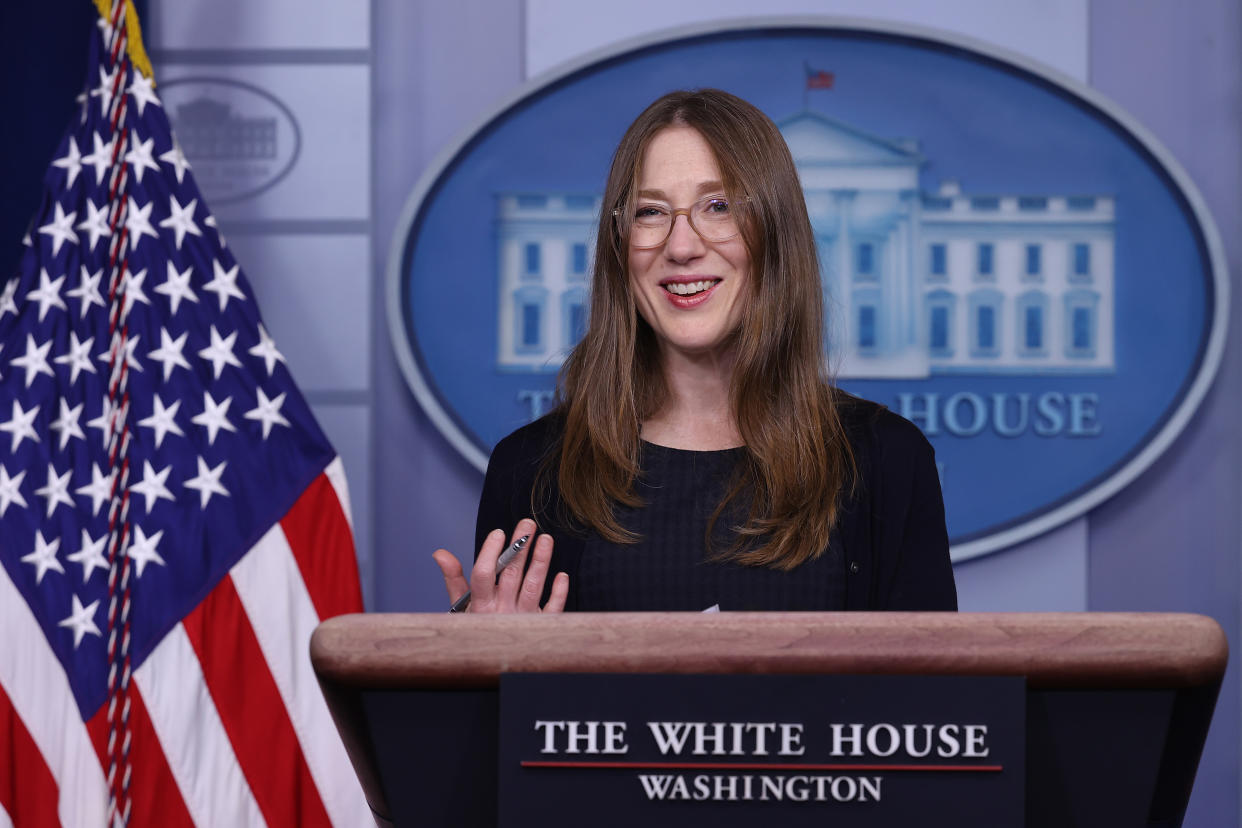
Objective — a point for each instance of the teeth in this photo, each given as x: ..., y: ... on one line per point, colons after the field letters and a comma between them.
x: 688, y: 288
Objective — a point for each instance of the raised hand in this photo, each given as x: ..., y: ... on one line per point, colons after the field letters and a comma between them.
x: 518, y: 588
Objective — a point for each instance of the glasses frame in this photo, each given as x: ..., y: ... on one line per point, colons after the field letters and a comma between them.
x: 684, y: 211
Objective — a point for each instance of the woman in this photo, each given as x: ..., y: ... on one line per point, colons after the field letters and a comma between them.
x: 698, y: 456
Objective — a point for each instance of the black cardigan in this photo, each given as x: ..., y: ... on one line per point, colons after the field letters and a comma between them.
x: 892, y: 530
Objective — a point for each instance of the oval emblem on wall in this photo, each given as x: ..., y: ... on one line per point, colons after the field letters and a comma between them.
x: 241, y: 138
x: 1009, y: 260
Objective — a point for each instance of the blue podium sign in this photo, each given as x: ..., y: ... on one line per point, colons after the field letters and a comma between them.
x: 741, y: 750
x: 1009, y: 260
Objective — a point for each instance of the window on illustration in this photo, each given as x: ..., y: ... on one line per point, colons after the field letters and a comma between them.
x: 985, y: 332
x: 985, y: 259
x: 866, y: 326
x: 940, y: 328
x: 1034, y: 328
x: 530, y: 325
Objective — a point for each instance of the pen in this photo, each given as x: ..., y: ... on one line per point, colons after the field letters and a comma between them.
x: 504, y: 560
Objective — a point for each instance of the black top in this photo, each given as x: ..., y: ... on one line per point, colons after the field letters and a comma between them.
x: 890, y: 550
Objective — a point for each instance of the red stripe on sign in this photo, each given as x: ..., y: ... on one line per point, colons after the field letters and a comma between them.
x: 323, y: 546
x: 154, y: 796
x: 28, y: 791
x: 251, y: 710
x: 763, y: 766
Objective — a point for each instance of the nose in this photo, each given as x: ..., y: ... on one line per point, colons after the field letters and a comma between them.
x: 683, y: 242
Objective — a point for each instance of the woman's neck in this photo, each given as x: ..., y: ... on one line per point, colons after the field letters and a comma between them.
x: 697, y: 413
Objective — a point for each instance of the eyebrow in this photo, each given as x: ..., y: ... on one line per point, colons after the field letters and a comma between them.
x: 706, y: 188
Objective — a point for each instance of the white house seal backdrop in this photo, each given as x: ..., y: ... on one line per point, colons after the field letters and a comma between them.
x: 1009, y: 260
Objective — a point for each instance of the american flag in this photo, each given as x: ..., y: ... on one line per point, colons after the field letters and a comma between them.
x: 173, y: 522
x: 818, y: 78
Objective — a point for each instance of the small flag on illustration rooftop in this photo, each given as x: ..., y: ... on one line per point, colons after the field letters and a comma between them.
x: 818, y: 78
x: 173, y: 522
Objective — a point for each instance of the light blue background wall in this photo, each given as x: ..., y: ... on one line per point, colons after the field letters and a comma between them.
x: 380, y: 88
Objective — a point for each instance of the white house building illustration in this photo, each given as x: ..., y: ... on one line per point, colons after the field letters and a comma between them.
x: 916, y: 283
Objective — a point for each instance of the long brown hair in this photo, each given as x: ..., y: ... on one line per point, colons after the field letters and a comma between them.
x: 797, y: 460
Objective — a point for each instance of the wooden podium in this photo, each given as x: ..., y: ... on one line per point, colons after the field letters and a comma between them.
x: 1118, y: 704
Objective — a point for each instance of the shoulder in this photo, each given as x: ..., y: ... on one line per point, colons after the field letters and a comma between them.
x: 532, y: 441
x: 510, y: 487
x: 899, y: 531
x: 874, y: 429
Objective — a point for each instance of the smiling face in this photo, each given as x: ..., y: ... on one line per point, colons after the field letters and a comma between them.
x: 690, y: 291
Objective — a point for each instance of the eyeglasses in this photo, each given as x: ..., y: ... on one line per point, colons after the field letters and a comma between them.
x: 714, y: 218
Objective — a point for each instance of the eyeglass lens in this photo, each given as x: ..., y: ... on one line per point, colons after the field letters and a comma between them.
x: 711, y: 217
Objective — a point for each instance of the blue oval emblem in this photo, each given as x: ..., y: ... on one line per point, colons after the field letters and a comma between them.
x: 242, y: 139
x: 1009, y: 260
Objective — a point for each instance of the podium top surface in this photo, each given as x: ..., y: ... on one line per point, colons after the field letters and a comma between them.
x: 1053, y: 650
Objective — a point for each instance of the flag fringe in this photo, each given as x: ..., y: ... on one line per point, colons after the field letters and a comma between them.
x: 133, y: 33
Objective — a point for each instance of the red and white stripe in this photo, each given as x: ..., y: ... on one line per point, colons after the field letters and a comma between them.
x: 55, y: 777
x: 229, y: 726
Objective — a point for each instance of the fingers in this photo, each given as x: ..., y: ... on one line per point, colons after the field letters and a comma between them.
x: 526, y: 528
x: 532, y: 584
x: 560, y: 592
x: 450, y: 568
x: 510, y: 582
x: 483, y: 576
x: 518, y: 588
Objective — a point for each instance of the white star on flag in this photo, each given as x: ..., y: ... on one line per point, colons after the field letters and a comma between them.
x: 177, y: 287
x: 104, y: 421
x: 224, y: 283
x: 88, y: 291
x: 268, y: 411
x: 95, y: 223
x: 162, y: 420
x: 104, y: 26
x: 207, y: 482
x: 67, y: 423
x: 176, y: 159
x: 138, y: 222
x: 78, y: 357
x: 214, y: 417
x: 20, y: 425
x: 210, y: 221
x: 7, y: 305
x: 81, y: 620
x: 47, y: 294
x: 139, y: 156
x: 267, y: 350
x: 141, y: 88
x: 60, y: 229
x: 11, y: 490
x: 101, y: 158
x: 90, y: 555
x: 133, y: 291
x: 152, y: 485
x: 70, y: 162
x: 107, y: 79
x: 142, y: 550
x: 56, y: 490
x: 43, y: 557
x: 131, y: 358
x: 169, y: 352
x: 34, y: 360
x: 99, y: 490
x: 181, y: 219
x: 220, y: 352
